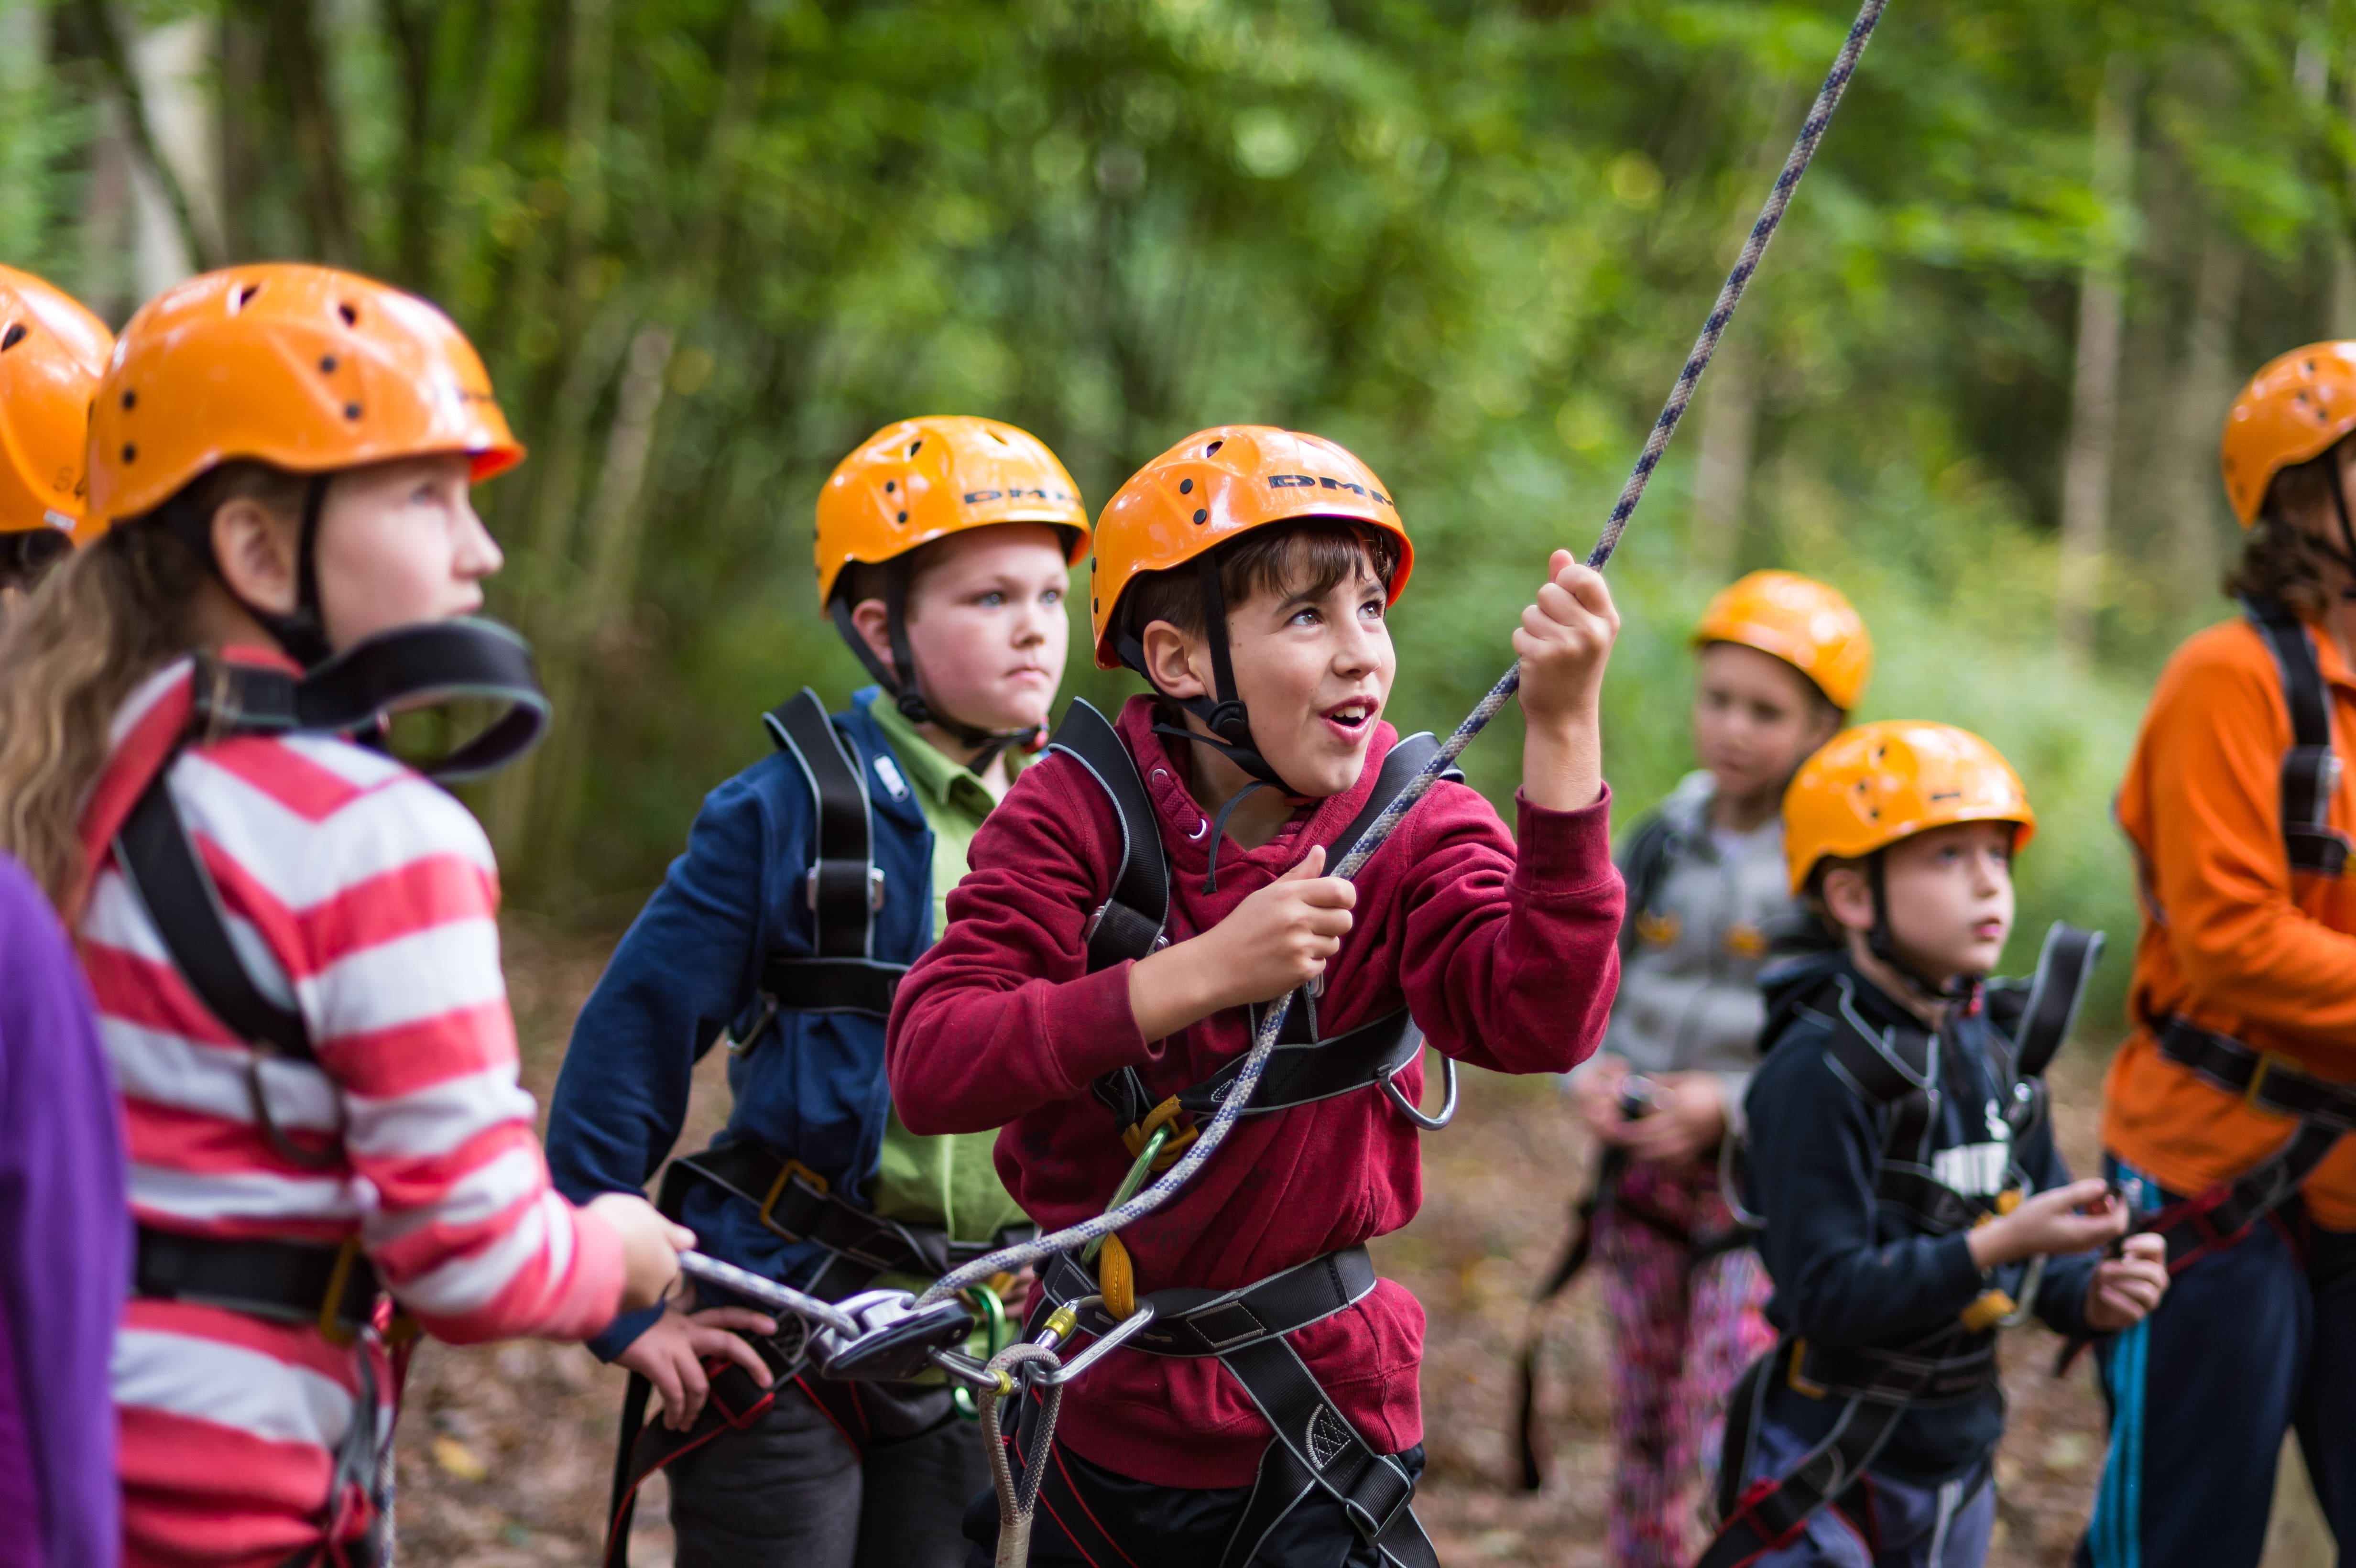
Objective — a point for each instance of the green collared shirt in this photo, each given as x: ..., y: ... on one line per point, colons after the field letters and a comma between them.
x: 949, y: 1180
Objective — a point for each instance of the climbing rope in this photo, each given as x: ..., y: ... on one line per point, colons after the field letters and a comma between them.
x: 1087, y: 1232
x: 1017, y: 1497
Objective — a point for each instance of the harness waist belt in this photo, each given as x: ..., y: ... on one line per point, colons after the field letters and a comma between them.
x: 794, y: 1202
x: 1195, y: 1322
x: 1893, y: 1377
x: 291, y: 1282
x: 2264, y: 1080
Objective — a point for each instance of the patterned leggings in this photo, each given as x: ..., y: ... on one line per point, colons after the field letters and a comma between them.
x: 1682, y: 1337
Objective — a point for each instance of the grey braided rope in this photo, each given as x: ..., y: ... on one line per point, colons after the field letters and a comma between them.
x: 1246, y: 1081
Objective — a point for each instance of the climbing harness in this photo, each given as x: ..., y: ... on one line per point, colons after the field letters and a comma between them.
x: 1327, y: 1452
x: 1896, y: 1071
x: 334, y: 1289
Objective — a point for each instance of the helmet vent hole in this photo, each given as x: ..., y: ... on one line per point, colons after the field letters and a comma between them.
x: 1186, y: 486
x: 328, y: 364
x: 351, y: 410
x: 349, y: 312
x: 1202, y: 516
x: 914, y: 444
x: 130, y: 453
x: 130, y: 400
x: 1213, y: 449
x: 1000, y: 439
x: 13, y: 337
x: 243, y: 296
x: 904, y: 517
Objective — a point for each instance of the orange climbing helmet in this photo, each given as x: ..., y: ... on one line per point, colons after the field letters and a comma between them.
x: 309, y: 370
x: 1806, y: 623
x: 1215, y: 485
x: 52, y: 352
x: 922, y: 479
x: 1880, y: 783
x: 2293, y: 410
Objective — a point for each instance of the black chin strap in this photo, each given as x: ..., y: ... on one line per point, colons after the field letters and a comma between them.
x: 303, y: 633
x: 1879, y: 943
x: 1222, y: 712
x: 2346, y: 553
x: 354, y: 692
x: 899, y: 679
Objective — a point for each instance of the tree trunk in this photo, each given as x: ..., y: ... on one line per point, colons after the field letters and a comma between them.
x: 2094, y: 387
x: 2203, y: 390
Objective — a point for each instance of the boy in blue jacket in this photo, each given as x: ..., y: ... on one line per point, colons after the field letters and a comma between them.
x: 811, y: 881
x: 1904, y: 1171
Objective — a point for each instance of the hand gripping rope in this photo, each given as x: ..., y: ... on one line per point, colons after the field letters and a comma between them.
x: 890, y: 1334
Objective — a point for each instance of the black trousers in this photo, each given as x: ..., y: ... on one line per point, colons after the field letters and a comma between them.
x: 1081, y: 1505
x: 871, y: 1482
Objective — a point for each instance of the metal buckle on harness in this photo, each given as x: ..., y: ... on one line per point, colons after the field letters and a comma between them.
x: 2269, y: 1060
x: 1799, y: 1381
x: 875, y: 888
x: 786, y: 1173
x: 339, y: 1279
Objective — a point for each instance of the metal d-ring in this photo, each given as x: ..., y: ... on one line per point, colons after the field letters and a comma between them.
x: 1414, y: 1112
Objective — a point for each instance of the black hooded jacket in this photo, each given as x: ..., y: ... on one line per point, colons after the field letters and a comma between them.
x: 1852, y: 1269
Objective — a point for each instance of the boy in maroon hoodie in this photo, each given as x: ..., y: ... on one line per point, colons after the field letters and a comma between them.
x: 1142, y: 891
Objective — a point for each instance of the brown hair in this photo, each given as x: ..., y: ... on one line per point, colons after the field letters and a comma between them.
x: 1309, y: 557
x: 2280, y: 559
x: 101, y: 623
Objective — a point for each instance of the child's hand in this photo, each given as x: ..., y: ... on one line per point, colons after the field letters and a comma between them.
x: 2073, y: 1219
x: 1595, y: 1093
x: 1688, y: 1119
x: 1276, y: 939
x: 670, y: 1356
x: 1564, y: 641
x: 2125, y: 1288
x: 650, y: 1247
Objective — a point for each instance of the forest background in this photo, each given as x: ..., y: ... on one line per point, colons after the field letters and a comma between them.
x: 707, y: 245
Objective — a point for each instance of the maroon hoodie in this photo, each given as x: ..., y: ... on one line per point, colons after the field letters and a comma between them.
x: 1508, y: 961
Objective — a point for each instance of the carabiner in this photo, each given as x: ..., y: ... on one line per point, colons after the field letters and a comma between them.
x: 1413, y: 1112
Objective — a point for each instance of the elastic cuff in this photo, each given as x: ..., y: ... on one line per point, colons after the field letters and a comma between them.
x: 1558, y: 852
x: 623, y: 1332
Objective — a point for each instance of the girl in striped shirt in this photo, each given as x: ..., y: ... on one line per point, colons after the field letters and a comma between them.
x: 281, y: 457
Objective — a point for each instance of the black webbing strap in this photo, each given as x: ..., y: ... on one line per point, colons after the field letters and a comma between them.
x: 2310, y: 769
x: 1315, y: 1445
x: 2220, y: 1218
x: 161, y: 864
x: 286, y: 1281
x: 843, y: 889
x: 1129, y: 923
x: 1772, y: 1512
x: 2064, y: 965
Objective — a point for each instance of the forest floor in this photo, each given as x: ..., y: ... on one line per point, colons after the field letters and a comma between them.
x: 506, y: 1450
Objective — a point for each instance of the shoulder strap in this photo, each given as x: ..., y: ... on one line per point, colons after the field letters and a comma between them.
x: 161, y: 864
x: 1649, y: 849
x: 1129, y: 923
x: 2063, y: 967
x: 2310, y: 770
x: 1408, y: 757
x: 844, y: 887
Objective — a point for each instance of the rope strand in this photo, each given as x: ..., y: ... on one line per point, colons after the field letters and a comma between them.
x: 1246, y: 1079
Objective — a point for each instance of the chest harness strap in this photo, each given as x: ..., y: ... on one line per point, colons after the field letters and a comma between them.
x: 1896, y: 1072
x: 1315, y: 1447
x: 2310, y: 769
x: 1132, y: 922
x: 334, y: 1289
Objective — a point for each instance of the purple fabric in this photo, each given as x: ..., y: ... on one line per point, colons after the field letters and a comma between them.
x: 65, y: 1235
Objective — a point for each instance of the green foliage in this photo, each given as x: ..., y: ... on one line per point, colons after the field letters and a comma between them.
x: 707, y: 245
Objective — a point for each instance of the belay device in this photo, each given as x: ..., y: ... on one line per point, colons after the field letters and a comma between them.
x: 890, y: 1325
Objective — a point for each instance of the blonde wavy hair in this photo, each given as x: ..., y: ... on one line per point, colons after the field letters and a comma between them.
x: 103, y: 622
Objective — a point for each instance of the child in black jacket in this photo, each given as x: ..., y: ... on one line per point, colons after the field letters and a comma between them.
x: 1912, y: 1200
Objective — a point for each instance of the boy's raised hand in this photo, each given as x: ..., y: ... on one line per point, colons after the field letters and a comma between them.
x: 1278, y: 938
x: 1564, y: 642
x: 2074, y: 1219
x: 2125, y: 1288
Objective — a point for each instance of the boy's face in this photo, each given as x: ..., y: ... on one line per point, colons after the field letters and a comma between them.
x: 1314, y: 670
x: 986, y: 624
x: 1755, y: 720
x: 1950, y: 897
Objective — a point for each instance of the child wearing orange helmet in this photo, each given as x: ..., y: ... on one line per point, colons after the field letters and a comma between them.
x: 1902, y: 1171
x: 810, y: 882
x: 1143, y: 890
x: 1782, y: 660
x: 52, y: 352
x: 290, y: 935
x: 2225, y: 1111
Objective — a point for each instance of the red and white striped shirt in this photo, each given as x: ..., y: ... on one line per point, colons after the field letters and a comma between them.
x: 364, y: 896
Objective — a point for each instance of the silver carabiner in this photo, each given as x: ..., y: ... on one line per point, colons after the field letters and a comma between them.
x: 1414, y: 1112
x: 1120, y: 1334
